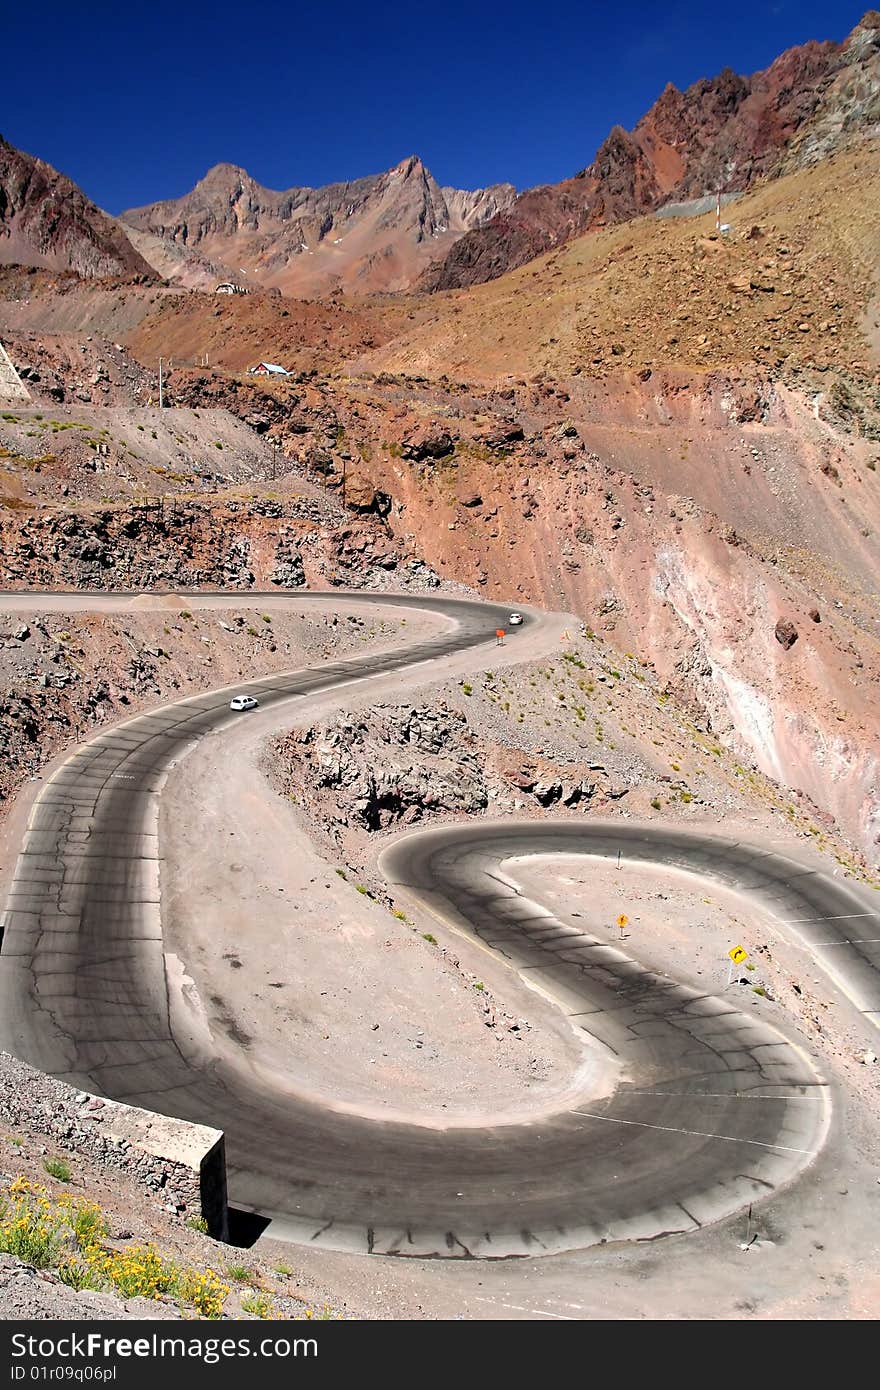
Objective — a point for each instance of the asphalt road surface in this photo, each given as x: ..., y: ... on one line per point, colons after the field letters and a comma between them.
x: 714, y: 1109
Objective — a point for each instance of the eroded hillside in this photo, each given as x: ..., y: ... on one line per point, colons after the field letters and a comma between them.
x: 792, y: 284
x: 671, y: 432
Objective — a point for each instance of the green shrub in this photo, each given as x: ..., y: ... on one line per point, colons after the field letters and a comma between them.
x: 259, y: 1305
x: 78, y: 1275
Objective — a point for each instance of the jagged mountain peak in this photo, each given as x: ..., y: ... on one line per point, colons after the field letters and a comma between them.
x: 724, y: 133
x: 374, y: 233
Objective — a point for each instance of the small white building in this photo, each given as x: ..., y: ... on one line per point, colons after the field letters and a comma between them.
x: 268, y: 369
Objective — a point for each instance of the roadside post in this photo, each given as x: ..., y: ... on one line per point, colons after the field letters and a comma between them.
x: 737, y: 955
x: 499, y: 634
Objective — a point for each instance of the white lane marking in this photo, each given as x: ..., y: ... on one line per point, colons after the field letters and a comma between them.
x: 535, y: 1312
x: 852, y: 941
x: 697, y: 1133
x: 841, y: 917
x: 728, y: 1095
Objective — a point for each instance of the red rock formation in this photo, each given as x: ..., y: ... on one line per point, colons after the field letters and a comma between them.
x: 722, y: 134
x: 45, y: 220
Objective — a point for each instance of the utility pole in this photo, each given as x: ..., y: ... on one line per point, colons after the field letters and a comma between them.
x: 718, y: 211
x: 161, y: 391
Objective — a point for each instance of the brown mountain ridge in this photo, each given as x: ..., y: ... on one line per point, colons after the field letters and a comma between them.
x: 369, y: 234
x: 46, y: 221
x: 722, y: 134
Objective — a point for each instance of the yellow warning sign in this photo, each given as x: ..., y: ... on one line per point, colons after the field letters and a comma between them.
x: 738, y: 955
x: 622, y: 920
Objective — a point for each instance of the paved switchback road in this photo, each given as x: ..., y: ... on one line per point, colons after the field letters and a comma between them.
x: 713, y: 1109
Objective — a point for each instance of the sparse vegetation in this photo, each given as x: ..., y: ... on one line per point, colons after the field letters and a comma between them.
x: 259, y: 1305
x: 67, y: 1234
x: 57, y: 1168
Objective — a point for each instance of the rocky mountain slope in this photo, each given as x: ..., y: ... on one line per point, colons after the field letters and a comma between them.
x: 673, y: 433
x: 723, y: 133
x: 791, y: 286
x: 374, y: 233
x: 698, y: 521
x: 45, y: 220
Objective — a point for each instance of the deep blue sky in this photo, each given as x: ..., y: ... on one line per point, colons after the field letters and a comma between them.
x: 135, y: 101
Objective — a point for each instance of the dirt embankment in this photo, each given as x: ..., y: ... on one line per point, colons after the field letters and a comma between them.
x: 698, y: 522
x: 238, y: 331
x: 686, y: 518
x: 588, y: 731
x: 41, y: 301
x: 788, y: 286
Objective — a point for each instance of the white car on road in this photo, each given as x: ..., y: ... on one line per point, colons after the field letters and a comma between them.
x: 243, y: 702
x: 515, y: 619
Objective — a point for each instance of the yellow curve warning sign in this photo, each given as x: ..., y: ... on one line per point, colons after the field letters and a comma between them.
x: 738, y: 955
x: 622, y: 920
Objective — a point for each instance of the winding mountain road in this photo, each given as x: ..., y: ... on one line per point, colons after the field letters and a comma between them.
x: 713, y: 1109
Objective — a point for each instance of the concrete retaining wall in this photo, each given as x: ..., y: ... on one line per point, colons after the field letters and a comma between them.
x: 182, y: 1165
